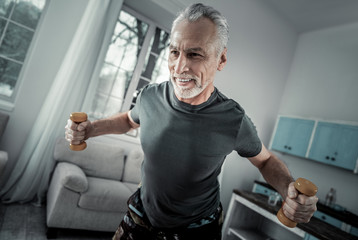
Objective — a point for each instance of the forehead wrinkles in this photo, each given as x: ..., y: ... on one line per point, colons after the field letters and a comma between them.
x: 201, y: 33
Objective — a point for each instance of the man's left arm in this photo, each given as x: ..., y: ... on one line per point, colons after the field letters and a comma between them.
x: 298, y: 207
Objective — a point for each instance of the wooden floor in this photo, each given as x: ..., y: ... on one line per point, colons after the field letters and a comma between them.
x: 28, y: 222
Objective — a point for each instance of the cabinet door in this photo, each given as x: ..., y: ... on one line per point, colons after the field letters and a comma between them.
x: 347, y: 153
x: 293, y: 135
x: 335, y: 144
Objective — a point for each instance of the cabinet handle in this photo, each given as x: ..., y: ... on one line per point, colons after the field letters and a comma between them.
x: 333, y: 159
x: 285, y: 147
x: 327, y: 157
x: 289, y: 148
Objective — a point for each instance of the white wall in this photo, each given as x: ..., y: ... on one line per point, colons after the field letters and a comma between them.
x: 323, y: 83
x: 51, y: 41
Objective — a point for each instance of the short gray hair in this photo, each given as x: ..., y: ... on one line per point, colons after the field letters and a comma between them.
x: 195, y: 11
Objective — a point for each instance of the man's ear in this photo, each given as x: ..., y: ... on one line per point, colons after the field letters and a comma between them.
x: 222, y: 60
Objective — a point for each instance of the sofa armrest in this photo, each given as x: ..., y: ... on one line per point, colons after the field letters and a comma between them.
x: 72, y: 177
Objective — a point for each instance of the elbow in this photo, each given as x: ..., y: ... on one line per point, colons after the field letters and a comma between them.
x: 262, y: 164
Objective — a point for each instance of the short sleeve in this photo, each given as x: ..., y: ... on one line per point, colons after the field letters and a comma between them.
x: 136, y: 109
x: 248, y: 144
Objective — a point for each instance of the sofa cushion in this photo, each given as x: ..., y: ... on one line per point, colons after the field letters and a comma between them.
x: 131, y: 186
x: 132, y: 168
x: 105, y: 195
x: 97, y: 160
x: 73, y: 177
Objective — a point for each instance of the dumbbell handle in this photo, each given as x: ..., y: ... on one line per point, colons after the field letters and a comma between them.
x: 78, y: 117
x: 303, y: 186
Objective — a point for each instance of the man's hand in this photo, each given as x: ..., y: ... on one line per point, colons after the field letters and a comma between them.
x: 299, y: 207
x: 77, y: 133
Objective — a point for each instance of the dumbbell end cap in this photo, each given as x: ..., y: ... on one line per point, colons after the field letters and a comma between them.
x: 284, y: 220
x: 78, y: 147
x: 306, y: 187
x: 78, y: 116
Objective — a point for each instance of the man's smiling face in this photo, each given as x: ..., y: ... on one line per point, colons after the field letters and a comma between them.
x: 193, y: 60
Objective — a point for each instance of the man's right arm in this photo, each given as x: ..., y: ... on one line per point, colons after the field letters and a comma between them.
x: 117, y: 124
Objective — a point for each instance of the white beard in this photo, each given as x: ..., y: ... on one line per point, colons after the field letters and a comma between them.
x: 186, y: 93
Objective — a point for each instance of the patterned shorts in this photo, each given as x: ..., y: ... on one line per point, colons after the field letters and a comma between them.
x: 136, y: 226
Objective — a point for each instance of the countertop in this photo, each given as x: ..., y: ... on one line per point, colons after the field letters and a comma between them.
x: 343, y: 215
x: 315, y: 227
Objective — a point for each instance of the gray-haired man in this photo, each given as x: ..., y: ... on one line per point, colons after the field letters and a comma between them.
x: 187, y: 129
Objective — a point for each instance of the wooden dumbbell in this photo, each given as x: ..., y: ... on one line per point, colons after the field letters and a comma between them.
x: 78, y: 117
x: 303, y: 186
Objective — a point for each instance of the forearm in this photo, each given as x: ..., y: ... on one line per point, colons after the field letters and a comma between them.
x: 116, y: 124
x: 276, y: 173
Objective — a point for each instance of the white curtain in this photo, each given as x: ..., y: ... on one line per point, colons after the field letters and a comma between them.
x: 31, y: 175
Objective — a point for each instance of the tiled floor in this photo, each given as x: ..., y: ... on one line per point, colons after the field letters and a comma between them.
x: 27, y: 222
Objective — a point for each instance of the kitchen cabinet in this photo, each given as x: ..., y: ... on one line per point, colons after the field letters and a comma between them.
x: 335, y: 144
x: 246, y: 220
x: 328, y: 142
x: 293, y: 135
x: 249, y: 216
x: 334, y: 218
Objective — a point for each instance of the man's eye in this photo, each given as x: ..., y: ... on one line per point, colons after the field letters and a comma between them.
x: 174, y: 52
x: 194, y: 55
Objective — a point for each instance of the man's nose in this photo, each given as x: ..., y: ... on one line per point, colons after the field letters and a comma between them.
x: 181, y: 65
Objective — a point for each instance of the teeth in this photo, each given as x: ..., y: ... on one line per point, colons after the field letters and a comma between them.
x: 183, y: 80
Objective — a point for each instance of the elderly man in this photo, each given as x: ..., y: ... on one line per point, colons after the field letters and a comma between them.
x: 188, y: 128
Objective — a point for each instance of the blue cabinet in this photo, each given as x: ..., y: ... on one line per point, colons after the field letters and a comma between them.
x: 335, y: 144
x: 293, y: 135
x: 332, y: 143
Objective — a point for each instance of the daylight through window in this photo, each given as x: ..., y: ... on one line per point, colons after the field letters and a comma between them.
x: 18, y: 21
x: 137, y: 55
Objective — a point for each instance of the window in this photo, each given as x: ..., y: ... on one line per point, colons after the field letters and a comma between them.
x: 18, y: 21
x: 136, y: 55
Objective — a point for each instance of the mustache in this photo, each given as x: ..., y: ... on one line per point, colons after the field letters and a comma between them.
x: 185, y: 76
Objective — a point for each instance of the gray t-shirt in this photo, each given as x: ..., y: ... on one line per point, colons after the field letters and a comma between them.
x: 185, y: 146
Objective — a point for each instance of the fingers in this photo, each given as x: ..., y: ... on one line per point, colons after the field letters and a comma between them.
x: 75, y: 133
x: 292, y: 191
x: 300, y: 209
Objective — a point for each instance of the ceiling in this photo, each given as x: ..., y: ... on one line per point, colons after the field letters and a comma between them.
x: 308, y: 15
x: 304, y: 15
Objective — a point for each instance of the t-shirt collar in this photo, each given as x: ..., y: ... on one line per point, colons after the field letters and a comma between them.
x: 187, y: 106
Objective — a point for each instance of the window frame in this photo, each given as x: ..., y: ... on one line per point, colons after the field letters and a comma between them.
x: 91, y: 92
x: 8, y: 103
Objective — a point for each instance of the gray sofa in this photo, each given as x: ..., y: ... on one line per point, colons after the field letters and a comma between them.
x: 89, y: 189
